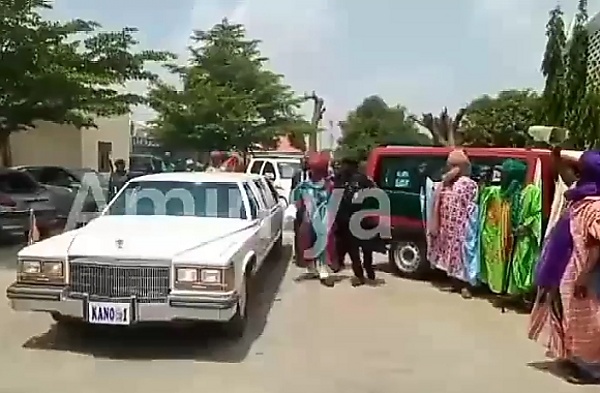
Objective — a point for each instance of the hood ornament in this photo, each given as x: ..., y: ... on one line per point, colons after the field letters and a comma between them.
x: 119, y: 243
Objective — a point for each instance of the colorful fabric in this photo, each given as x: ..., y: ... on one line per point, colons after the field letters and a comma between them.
x: 459, y: 166
x: 527, y: 242
x: 315, y: 236
x: 446, y: 244
x: 510, y: 239
x: 514, y: 174
x: 581, y: 321
x: 495, y: 237
x: 471, y: 249
x: 576, y: 334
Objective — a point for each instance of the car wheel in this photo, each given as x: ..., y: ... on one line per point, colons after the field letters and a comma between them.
x: 408, y: 259
x: 236, y: 326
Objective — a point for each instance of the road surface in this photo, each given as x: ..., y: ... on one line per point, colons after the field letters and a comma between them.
x: 402, y: 337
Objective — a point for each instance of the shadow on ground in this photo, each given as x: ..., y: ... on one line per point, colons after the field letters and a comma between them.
x: 554, y: 368
x: 204, y: 342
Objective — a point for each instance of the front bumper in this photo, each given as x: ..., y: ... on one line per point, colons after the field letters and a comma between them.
x: 218, y: 308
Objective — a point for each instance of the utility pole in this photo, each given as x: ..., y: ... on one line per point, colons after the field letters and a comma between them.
x: 317, y: 116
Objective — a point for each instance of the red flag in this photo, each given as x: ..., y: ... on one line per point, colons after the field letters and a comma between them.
x: 34, y: 232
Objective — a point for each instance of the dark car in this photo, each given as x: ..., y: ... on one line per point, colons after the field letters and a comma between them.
x: 21, y: 195
x: 63, y: 185
x: 145, y: 164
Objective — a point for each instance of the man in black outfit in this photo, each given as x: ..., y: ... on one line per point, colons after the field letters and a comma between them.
x: 351, y: 181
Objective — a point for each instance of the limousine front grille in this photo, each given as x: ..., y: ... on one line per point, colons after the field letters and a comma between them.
x: 149, y: 284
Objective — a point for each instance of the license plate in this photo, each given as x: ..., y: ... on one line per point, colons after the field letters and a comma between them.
x: 109, y: 313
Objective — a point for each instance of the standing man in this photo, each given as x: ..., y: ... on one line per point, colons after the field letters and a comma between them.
x: 216, y: 161
x: 350, y: 180
x: 118, y: 178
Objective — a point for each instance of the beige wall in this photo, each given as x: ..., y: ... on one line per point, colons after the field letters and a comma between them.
x: 114, y: 130
x: 64, y: 145
x: 47, y: 144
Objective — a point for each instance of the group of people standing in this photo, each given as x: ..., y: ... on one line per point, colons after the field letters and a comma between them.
x: 491, y: 234
x: 485, y: 233
x: 322, y: 226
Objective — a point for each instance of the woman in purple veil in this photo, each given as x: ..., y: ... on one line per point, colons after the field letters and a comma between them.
x: 567, y: 307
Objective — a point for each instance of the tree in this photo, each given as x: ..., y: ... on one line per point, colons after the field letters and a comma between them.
x: 576, y: 79
x: 571, y: 97
x: 229, y: 100
x: 63, y: 72
x: 502, y: 120
x: 444, y: 128
x: 553, y: 69
x: 374, y: 123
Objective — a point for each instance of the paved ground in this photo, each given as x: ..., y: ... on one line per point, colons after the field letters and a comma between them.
x: 402, y: 337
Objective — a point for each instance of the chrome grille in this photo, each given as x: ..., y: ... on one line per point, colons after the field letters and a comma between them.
x: 149, y: 284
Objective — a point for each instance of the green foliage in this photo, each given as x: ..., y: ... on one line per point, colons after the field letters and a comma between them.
x: 502, y: 120
x: 570, y: 97
x: 554, y: 69
x: 229, y: 100
x: 374, y: 123
x: 576, y: 79
x: 63, y: 72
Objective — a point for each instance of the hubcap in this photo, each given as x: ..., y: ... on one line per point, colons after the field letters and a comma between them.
x: 407, y: 257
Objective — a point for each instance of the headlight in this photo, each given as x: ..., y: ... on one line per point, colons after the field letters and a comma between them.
x: 203, y: 278
x: 33, y: 271
x: 31, y: 267
x: 187, y: 275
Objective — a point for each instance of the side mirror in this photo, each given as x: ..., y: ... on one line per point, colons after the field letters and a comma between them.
x: 270, y: 176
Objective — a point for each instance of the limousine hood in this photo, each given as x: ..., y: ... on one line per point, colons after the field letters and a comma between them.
x: 156, y: 237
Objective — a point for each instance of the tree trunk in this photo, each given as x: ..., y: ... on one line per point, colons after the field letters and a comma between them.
x: 5, y: 148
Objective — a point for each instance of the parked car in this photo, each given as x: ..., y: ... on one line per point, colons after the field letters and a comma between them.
x: 145, y: 164
x: 279, y: 168
x: 20, y: 195
x: 140, y: 262
x: 63, y: 185
x: 401, y: 172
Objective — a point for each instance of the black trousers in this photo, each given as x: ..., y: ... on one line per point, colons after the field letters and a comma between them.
x: 347, y: 243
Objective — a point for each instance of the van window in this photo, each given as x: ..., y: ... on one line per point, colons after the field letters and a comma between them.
x: 408, y: 173
x: 256, y: 165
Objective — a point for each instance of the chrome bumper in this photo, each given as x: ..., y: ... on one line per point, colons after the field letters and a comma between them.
x: 219, y: 308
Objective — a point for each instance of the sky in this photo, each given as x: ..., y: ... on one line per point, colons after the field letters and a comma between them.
x: 422, y: 54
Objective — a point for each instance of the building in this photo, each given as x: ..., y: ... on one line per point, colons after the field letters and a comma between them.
x: 65, y: 145
x: 593, y: 28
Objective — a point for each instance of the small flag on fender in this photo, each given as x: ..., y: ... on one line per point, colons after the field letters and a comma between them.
x: 34, y: 232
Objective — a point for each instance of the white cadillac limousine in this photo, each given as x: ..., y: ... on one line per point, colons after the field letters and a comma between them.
x: 171, y: 246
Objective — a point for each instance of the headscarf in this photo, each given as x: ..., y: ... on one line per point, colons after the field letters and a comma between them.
x: 514, y: 174
x: 318, y: 165
x: 559, y: 243
x: 459, y: 165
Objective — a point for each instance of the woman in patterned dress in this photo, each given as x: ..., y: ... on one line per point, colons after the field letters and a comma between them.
x: 568, y: 304
x: 455, y: 200
x: 315, y: 237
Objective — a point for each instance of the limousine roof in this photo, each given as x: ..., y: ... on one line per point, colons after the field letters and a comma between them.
x: 200, y: 177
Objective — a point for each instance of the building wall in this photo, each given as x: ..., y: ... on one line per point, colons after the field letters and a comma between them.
x: 47, y: 144
x: 593, y: 28
x: 113, y: 130
x: 65, y: 145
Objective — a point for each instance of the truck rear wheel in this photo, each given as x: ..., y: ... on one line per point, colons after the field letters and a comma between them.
x: 407, y: 258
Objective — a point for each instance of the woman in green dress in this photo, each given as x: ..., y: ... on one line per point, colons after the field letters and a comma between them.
x: 511, y: 219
